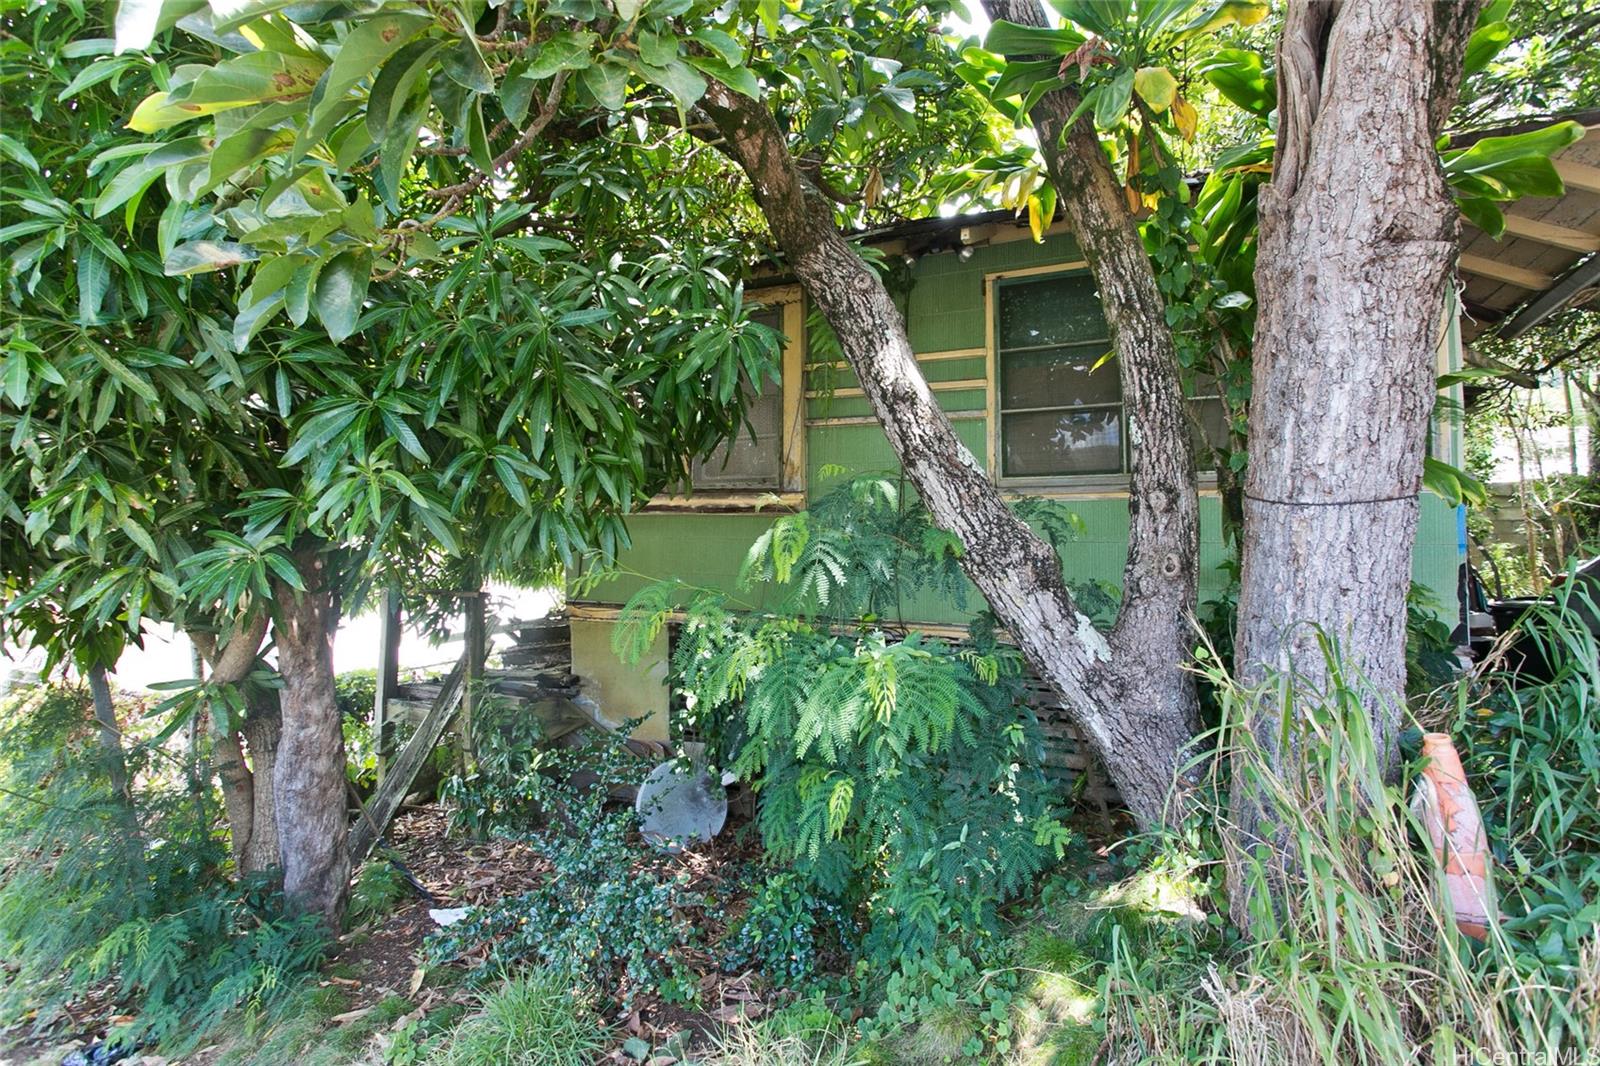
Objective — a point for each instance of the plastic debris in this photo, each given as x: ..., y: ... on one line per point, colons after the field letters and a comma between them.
x: 447, y: 915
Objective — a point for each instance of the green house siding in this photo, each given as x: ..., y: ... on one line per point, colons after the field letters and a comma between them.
x: 948, y: 316
x: 707, y: 550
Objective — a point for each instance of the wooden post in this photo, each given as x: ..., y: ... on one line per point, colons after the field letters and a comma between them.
x: 388, y: 680
x: 474, y: 654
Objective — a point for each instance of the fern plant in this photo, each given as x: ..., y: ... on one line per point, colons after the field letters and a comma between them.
x: 902, y: 772
x: 134, y: 894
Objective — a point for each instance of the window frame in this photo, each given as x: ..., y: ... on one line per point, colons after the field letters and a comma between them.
x: 993, y: 284
x: 788, y: 300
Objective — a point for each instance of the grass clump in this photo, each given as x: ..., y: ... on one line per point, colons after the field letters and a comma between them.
x: 530, y: 1019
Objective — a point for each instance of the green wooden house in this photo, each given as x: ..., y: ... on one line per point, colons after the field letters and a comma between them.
x: 1008, y: 332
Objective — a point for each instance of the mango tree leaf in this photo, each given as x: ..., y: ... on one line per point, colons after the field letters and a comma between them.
x: 395, y: 82
x: 199, y: 257
x: 678, y: 78
x: 136, y: 177
x: 257, y: 78
x: 465, y: 66
x: 566, y: 50
x: 740, y: 79
x: 367, y: 46
x: 341, y: 289
x: 607, y: 82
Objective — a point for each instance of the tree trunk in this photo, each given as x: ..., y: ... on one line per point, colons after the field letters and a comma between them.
x: 263, y: 731
x: 105, y: 713
x: 1153, y: 640
x: 310, y: 773
x: 1357, y: 241
x: 1139, y: 721
x: 245, y: 783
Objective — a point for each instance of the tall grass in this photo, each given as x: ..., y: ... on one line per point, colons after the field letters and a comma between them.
x: 1354, y: 957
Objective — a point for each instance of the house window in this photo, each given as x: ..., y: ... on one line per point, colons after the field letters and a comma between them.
x: 1061, y: 412
x: 753, y: 457
x: 1059, y: 395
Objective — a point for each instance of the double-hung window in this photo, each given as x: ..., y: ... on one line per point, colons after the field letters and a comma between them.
x: 1059, y: 394
x: 1060, y: 401
x: 752, y: 459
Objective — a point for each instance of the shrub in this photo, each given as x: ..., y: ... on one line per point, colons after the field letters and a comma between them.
x: 537, y: 1018
x: 898, y: 771
x: 789, y: 932
x: 1533, y: 753
x: 98, y: 890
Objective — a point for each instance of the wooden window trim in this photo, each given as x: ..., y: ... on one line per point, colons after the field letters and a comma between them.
x: 789, y: 494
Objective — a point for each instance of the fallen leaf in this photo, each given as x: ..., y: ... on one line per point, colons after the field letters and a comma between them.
x: 350, y: 1015
x: 418, y: 975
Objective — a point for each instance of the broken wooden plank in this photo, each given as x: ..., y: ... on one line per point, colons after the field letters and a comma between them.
x: 374, y: 819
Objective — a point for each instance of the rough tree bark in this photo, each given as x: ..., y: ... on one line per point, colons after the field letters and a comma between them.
x: 310, y: 774
x: 1126, y: 694
x: 1357, y: 242
x: 245, y: 780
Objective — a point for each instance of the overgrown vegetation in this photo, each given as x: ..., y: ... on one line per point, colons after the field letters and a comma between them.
x: 900, y: 773
x: 138, y: 894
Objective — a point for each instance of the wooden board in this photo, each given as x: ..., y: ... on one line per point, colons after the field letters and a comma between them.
x: 374, y: 819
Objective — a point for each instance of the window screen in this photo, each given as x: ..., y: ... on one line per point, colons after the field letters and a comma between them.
x: 1060, y: 398
x: 1061, y: 411
x: 753, y: 457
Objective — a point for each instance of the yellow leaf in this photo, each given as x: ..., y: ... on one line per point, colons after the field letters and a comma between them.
x: 1036, y: 218
x: 1156, y: 86
x: 1184, y: 114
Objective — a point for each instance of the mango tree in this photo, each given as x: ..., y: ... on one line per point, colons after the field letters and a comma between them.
x: 186, y: 461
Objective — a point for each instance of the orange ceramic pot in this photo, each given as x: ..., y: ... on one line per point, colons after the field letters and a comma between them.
x: 1449, y: 812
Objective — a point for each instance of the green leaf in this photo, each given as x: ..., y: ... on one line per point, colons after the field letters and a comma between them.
x: 341, y: 289
x: 137, y: 176
x: 94, y: 281
x: 1013, y: 39
x: 678, y: 78
x: 1487, y: 42
x: 199, y: 257
x: 741, y: 80
x: 721, y: 44
x: 1105, y: 17
x: 1243, y: 78
x: 465, y: 66
x: 257, y: 78
x: 1113, y: 102
x: 1483, y: 213
x: 396, y: 82
x: 565, y: 50
x: 1520, y: 162
x: 478, y: 137
x: 367, y: 46
x: 607, y: 82
x: 16, y: 379
x: 14, y: 150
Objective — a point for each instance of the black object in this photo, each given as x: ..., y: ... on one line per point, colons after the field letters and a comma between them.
x: 1525, y: 656
x: 102, y: 1053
